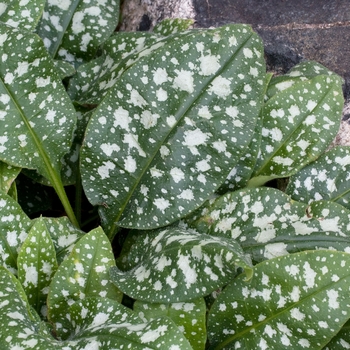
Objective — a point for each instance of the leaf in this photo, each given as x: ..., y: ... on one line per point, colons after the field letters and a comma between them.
x: 73, y: 30
x: 327, y: 178
x: 95, y: 78
x: 268, y: 223
x: 22, y: 14
x: 190, y: 317
x: 301, y: 72
x: 19, y: 325
x: 105, y: 324
x: 64, y: 68
x: 34, y: 109
x: 341, y: 340
x: 153, y: 155
x: 8, y: 175
x: 63, y: 235
x: 36, y: 265
x: 298, y: 125
x: 175, y: 265
x: 297, y: 301
x: 84, y: 274
x: 14, y: 225
x: 172, y: 25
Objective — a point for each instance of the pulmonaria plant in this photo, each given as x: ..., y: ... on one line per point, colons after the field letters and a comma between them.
x: 178, y: 139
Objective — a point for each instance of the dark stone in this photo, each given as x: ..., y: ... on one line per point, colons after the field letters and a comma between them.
x: 145, y: 23
x: 291, y: 30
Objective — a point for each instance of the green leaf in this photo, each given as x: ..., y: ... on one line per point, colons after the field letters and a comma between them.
x: 173, y: 126
x: 268, y: 223
x: 174, y: 265
x: 327, y: 178
x: 297, y: 301
x: 19, y: 324
x: 37, y: 119
x: 63, y: 235
x: 190, y: 317
x: 36, y: 265
x: 95, y: 78
x: 73, y: 30
x: 105, y: 324
x: 64, y: 68
x: 341, y: 340
x: 21, y: 14
x: 8, y: 175
x: 84, y: 274
x: 301, y: 72
x: 172, y: 25
x: 14, y: 225
x: 298, y: 125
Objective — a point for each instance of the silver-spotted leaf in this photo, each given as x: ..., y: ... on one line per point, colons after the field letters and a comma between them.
x: 190, y: 317
x: 172, y: 25
x: 298, y: 301
x: 95, y: 78
x: 327, y: 178
x: 63, y: 235
x: 73, y: 30
x: 14, y: 227
x: 21, y: 328
x: 298, y: 124
x: 85, y: 273
x: 104, y: 324
x: 175, y: 265
x: 173, y: 126
x: 268, y: 223
x: 36, y: 265
x: 300, y: 72
x: 341, y: 340
x: 21, y: 14
x: 8, y: 174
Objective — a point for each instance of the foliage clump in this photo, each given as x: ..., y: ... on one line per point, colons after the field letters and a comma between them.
x: 166, y: 146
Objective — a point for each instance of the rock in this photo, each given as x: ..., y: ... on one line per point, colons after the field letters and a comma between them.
x: 292, y: 31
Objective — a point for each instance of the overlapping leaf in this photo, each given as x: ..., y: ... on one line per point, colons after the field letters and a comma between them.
x: 8, y: 175
x: 21, y: 14
x: 268, y: 223
x: 85, y: 273
x: 327, y: 178
x: 97, y: 323
x: 36, y: 265
x: 301, y: 72
x: 174, y: 265
x: 298, y: 301
x: 73, y: 30
x: 298, y: 124
x: 172, y: 25
x: 190, y: 317
x: 14, y: 227
x: 173, y: 127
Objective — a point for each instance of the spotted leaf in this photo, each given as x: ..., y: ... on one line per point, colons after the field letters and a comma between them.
x: 95, y: 78
x: 178, y: 266
x: 341, y: 340
x: 73, y: 30
x: 326, y: 178
x: 172, y: 25
x: 108, y: 324
x: 298, y: 124
x: 301, y: 72
x: 14, y: 227
x: 169, y: 132
x: 190, y: 317
x: 21, y: 14
x: 268, y: 223
x: 85, y: 273
x: 63, y: 235
x: 36, y: 265
x: 299, y: 301
x: 8, y: 174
